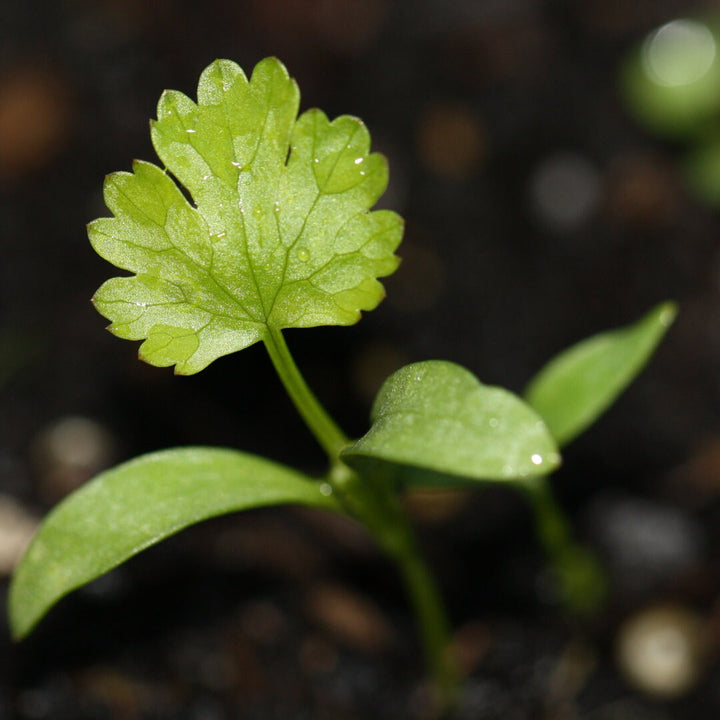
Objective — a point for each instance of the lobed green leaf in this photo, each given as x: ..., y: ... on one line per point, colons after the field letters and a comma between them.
x: 578, y: 385
x: 135, y: 505
x: 278, y: 234
x: 434, y: 423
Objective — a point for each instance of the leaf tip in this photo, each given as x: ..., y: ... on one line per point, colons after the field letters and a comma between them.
x: 667, y: 312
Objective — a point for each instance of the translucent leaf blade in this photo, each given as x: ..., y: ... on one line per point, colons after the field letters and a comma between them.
x: 435, y: 423
x: 279, y: 232
x: 135, y: 505
x: 577, y: 386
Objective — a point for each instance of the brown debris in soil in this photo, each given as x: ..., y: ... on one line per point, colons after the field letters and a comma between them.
x: 349, y: 617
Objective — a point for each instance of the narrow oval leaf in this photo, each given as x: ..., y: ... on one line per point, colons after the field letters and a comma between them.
x: 437, y: 424
x: 278, y: 234
x: 135, y: 505
x: 578, y: 385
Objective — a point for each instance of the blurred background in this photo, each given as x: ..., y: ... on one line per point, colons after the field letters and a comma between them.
x: 558, y: 167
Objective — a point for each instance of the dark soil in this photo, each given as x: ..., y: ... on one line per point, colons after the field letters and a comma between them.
x: 537, y: 213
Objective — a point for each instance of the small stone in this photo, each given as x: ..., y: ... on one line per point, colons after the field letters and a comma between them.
x: 469, y: 645
x: 349, y: 617
x: 662, y: 651
x: 646, y: 543
x: 642, y: 191
x: 565, y: 192
x: 264, y: 622
x: 451, y: 141
x: 35, y: 113
x: 69, y: 453
x: 17, y: 526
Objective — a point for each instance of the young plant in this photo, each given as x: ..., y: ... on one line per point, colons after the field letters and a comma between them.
x: 280, y: 235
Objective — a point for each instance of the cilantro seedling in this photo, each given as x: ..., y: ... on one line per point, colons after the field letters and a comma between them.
x: 280, y: 234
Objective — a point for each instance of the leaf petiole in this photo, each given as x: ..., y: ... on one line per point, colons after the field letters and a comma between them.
x: 331, y: 438
x: 379, y: 511
x: 580, y: 579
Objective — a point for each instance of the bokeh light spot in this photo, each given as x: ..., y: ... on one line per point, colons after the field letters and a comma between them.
x: 679, y: 53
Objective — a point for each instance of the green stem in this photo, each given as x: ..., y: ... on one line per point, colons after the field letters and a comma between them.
x: 375, y: 505
x: 322, y: 426
x: 581, y: 580
x: 379, y: 509
x: 432, y: 625
x: 552, y: 526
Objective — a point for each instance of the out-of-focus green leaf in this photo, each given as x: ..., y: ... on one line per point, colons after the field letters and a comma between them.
x: 279, y: 236
x: 701, y: 169
x: 671, y: 83
x: 135, y: 505
x: 574, y: 388
x: 434, y: 423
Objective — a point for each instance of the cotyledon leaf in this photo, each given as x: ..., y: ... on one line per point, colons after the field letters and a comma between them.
x: 435, y: 423
x: 580, y: 383
x: 135, y: 505
x: 279, y: 233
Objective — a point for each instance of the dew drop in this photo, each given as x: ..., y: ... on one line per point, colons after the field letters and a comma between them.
x: 258, y: 212
x: 190, y: 130
x: 316, y: 160
x: 276, y: 207
x: 218, y: 236
x: 236, y: 164
x: 493, y: 422
x: 303, y: 255
x: 359, y: 160
x: 326, y: 489
x: 536, y: 459
x: 362, y: 173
